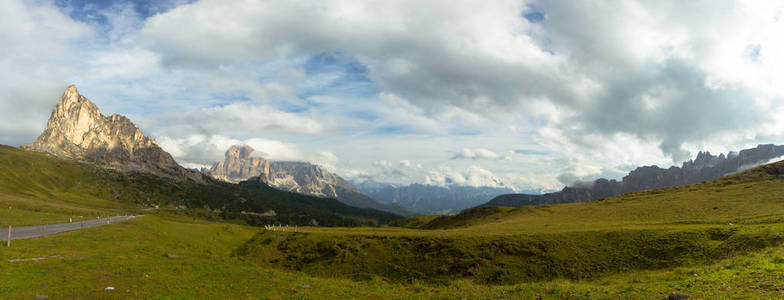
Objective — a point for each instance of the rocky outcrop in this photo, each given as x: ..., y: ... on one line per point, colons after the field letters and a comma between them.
x: 239, y: 165
x: 307, y: 178
x: 704, y: 167
x: 77, y: 130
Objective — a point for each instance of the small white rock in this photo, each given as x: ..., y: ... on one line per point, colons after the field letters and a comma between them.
x: 109, y: 288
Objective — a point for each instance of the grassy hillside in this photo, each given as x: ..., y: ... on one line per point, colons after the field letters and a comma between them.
x: 134, y: 258
x: 652, y: 230
x: 753, y: 196
x: 45, y: 187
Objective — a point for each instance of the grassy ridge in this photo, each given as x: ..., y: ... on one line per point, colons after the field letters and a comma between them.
x: 747, y: 197
x: 503, y: 259
x: 657, y: 229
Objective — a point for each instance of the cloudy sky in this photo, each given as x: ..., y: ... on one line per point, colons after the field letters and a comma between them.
x: 472, y: 92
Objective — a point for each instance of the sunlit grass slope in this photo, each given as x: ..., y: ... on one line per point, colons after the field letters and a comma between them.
x: 754, y: 196
x: 175, y: 257
x: 35, y: 189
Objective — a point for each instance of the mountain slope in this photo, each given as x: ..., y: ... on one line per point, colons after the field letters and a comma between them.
x: 752, y: 196
x: 704, y: 167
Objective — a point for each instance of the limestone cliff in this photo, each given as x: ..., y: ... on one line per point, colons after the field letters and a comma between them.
x: 78, y: 130
x: 307, y: 178
x: 239, y: 165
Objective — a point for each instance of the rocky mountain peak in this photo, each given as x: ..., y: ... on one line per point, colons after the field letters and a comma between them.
x: 69, y: 98
x: 77, y: 129
x: 239, y: 152
x: 238, y: 165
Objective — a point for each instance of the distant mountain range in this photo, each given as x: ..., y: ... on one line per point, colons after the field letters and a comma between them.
x: 429, y: 199
x: 131, y: 166
x: 301, y: 177
x: 704, y: 167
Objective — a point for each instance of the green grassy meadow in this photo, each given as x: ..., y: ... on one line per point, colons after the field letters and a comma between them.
x: 132, y: 257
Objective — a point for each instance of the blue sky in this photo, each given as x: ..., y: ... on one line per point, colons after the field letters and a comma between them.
x: 520, y: 92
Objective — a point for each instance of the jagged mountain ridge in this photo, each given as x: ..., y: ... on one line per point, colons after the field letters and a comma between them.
x: 430, y: 199
x: 299, y: 177
x: 77, y: 130
x: 704, y: 167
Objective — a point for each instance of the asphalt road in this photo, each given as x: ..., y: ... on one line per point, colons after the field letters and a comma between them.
x: 26, y: 232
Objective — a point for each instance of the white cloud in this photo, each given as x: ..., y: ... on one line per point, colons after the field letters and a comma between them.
x: 36, y: 39
x: 478, y: 153
x: 124, y: 64
x: 235, y: 119
x: 473, y: 176
x: 486, y: 59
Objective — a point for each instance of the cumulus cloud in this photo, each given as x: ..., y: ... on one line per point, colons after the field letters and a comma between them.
x: 662, y: 85
x: 438, y: 64
x: 478, y: 153
x: 473, y: 176
x: 35, y: 38
x: 236, y: 119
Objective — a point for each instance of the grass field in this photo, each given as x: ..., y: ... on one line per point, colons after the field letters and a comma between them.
x: 655, y: 230
x: 718, y: 239
x: 132, y: 257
